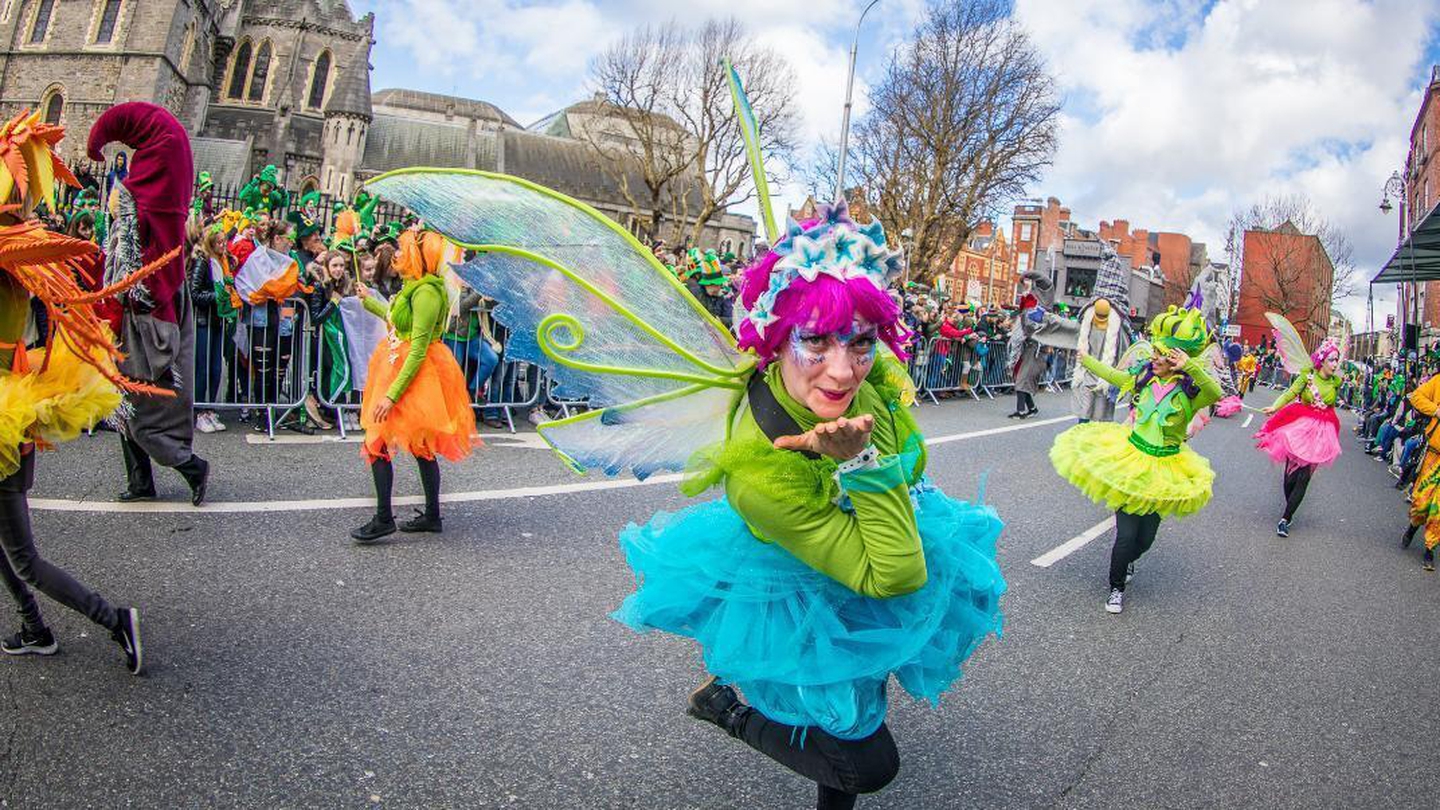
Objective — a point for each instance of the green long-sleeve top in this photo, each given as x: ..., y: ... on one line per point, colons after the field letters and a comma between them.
x: 1163, y: 410
x: 874, y: 548
x: 417, y: 314
x: 1329, y: 388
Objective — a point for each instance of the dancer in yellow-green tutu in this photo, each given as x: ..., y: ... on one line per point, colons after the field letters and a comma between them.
x: 1144, y: 470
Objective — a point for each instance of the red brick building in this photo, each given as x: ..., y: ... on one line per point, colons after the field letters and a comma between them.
x: 983, y: 271
x: 1034, y: 230
x: 1289, y: 272
x: 1173, y: 253
x: 1422, y: 188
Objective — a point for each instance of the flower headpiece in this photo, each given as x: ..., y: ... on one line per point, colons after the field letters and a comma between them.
x: 833, y: 246
x: 1329, y: 347
x: 1182, y: 329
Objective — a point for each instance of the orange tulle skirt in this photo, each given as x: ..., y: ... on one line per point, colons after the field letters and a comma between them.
x: 433, y: 416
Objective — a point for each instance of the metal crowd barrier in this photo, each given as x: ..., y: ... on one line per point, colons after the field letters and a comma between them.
x: 264, y: 361
x: 944, y: 365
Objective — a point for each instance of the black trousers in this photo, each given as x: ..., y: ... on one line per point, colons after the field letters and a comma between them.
x: 382, y: 471
x: 842, y: 769
x: 140, y: 475
x: 1134, y: 534
x: 1297, y: 480
x: 22, y: 567
x: 1024, y: 403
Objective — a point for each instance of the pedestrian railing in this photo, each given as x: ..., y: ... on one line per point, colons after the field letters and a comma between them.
x: 259, y: 362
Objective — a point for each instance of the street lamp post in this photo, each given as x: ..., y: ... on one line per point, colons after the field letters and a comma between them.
x: 849, y: 92
x: 1395, y: 187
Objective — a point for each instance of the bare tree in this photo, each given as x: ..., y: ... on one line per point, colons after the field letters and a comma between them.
x: 1294, y: 260
x: 672, y: 141
x: 964, y: 118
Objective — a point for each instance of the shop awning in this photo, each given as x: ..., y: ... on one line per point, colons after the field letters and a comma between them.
x: 1418, y: 257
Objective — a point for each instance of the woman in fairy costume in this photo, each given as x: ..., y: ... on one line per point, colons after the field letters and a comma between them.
x: 1303, y: 433
x: 1145, y: 471
x: 415, y: 397
x: 831, y: 563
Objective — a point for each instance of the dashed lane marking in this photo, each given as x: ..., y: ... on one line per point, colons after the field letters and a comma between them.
x: 218, y: 507
x: 1074, y: 544
x: 1249, y: 417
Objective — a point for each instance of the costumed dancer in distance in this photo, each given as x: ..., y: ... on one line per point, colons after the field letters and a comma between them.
x: 831, y: 563
x: 1027, y: 363
x: 415, y: 398
x: 1145, y: 471
x: 52, y: 396
x: 1102, y: 335
x: 1303, y: 432
x: 1425, y: 496
x: 156, y: 329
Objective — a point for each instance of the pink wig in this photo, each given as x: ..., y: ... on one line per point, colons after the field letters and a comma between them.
x: 826, y: 304
x: 1328, y: 348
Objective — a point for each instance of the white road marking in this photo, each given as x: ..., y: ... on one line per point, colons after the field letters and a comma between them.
x: 217, y: 507
x: 1074, y: 544
x: 1249, y: 417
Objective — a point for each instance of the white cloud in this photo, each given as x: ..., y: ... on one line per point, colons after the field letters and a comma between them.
x: 1259, y: 98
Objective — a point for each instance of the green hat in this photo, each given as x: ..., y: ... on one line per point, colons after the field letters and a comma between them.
x: 270, y: 175
x: 306, y: 227
x: 310, y: 198
x: 728, y: 257
x: 345, y: 244
x: 390, y: 232
x: 204, y: 183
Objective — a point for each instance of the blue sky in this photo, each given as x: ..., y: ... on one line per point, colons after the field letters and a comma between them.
x: 1177, y: 112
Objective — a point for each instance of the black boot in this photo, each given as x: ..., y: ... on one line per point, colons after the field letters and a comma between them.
x: 717, y: 703
x: 139, y: 478
x: 1409, y: 536
x: 1429, y: 562
x: 196, y: 472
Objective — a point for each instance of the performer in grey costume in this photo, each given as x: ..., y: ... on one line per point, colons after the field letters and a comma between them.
x: 1105, y: 335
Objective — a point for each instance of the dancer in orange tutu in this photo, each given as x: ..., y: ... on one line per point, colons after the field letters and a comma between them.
x: 415, y: 395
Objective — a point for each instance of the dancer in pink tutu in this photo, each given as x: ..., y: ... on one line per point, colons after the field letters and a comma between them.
x: 1304, y: 432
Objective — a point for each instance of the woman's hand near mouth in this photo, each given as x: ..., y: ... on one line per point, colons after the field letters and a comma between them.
x: 841, y: 439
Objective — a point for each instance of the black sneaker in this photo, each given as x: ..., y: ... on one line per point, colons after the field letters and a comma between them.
x: 127, y: 635
x: 30, y: 642
x: 421, y: 523
x: 374, y: 530
x: 716, y: 703
x: 1282, y: 529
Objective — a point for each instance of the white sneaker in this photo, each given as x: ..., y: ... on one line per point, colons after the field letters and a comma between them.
x: 352, y: 420
x: 215, y: 421
x: 1116, y: 602
x: 202, y: 422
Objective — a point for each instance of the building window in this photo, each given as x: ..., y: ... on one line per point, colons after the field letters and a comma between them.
x: 1025, y: 232
x: 54, y: 107
x: 262, y: 70
x: 319, y: 79
x: 108, y: 15
x: 42, y: 21
x: 1022, y: 263
x: 187, y: 50
x: 239, y: 71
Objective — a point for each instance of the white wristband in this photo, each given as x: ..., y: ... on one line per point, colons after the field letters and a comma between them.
x: 868, y: 459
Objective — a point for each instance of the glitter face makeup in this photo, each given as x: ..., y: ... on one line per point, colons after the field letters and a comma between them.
x: 823, y: 370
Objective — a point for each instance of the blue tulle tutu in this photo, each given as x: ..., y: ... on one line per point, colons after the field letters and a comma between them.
x: 805, y: 650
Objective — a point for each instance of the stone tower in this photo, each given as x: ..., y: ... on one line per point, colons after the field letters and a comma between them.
x: 347, y: 121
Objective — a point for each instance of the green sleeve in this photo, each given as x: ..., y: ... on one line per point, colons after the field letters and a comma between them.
x: 874, y: 551
x: 427, y: 304
x: 376, y: 308
x: 1114, y: 376
x: 1210, y: 391
x: 1290, y: 393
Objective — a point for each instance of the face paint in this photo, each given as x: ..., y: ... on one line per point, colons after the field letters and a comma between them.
x: 824, y: 369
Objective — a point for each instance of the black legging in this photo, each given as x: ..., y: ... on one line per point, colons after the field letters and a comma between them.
x: 1134, y: 534
x: 383, y: 471
x: 1297, y: 480
x: 842, y: 769
x: 1024, y: 403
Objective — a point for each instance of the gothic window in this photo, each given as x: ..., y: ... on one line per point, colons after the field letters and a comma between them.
x: 239, y: 71
x: 262, y: 70
x: 187, y: 50
x: 54, y: 107
x: 108, y: 16
x: 319, y: 79
x: 42, y: 21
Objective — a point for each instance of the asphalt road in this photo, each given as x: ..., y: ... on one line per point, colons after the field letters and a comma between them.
x: 288, y: 668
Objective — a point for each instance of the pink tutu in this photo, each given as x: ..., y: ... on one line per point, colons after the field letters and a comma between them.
x: 1301, y: 434
x: 1228, y: 407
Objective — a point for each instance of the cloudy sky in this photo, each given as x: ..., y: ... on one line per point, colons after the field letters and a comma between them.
x: 1177, y: 112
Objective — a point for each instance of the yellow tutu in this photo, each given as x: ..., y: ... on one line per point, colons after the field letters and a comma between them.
x: 53, y: 405
x: 1098, y: 458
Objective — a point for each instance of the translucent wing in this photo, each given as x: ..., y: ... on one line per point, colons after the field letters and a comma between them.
x: 1139, y: 353
x: 1219, y: 368
x: 583, y: 298
x: 1293, y: 354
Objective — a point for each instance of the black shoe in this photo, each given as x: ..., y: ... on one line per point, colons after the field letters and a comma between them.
x: 197, y: 487
x: 133, y: 495
x: 421, y: 523
x: 1032, y: 412
x: 1409, y: 536
x: 1429, y: 562
x: 716, y: 703
x: 30, y: 642
x: 374, y: 530
x: 1282, y: 529
x: 127, y: 635
x: 1015, y: 415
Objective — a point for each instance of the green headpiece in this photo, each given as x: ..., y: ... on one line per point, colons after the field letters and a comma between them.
x: 310, y: 198
x: 305, y: 227
x: 345, y: 245
x: 1182, y: 329
x: 270, y: 175
x: 204, y: 183
x: 390, y: 232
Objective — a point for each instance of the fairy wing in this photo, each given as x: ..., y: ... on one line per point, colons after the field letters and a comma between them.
x: 1139, y: 353
x: 1293, y: 354
x: 588, y: 302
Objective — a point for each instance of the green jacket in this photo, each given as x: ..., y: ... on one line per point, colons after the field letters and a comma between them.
x: 1162, y: 426
x: 1329, y: 390
x: 417, y: 314
x: 791, y: 501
